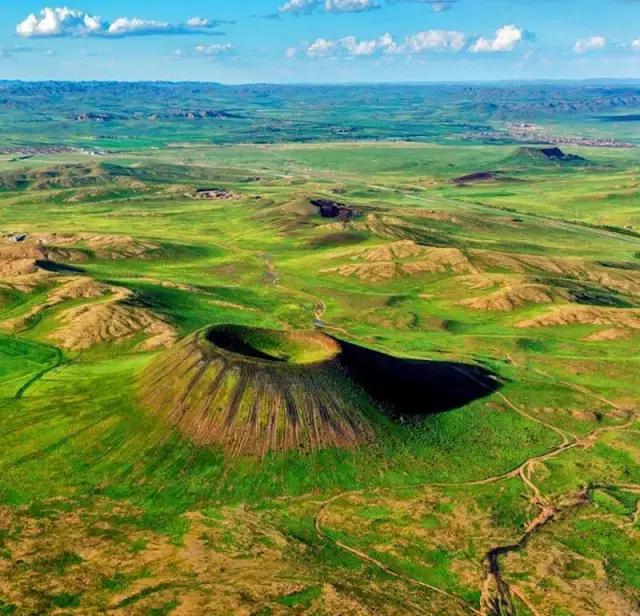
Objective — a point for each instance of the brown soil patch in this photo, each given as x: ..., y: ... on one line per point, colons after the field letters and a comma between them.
x: 511, y: 297
x: 78, y: 288
x: 113, y: 321
x: 370, y: 272
x: 623, y: 281
x: 117, y: 246
x: 65, y: 246
x: 236, y: 561
x: 606, y: 335
x: 529, y: 263
x: 402, y: 258
x: 586, y: 315
x: 390, y: 252
x: 19, y: 261
x: 73, y: 289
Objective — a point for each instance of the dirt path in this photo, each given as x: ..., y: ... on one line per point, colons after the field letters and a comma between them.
x: 37, y: 377
x: 369, y: 559
x: 580, y: 388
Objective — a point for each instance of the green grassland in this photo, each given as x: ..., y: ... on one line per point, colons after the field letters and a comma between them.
x: 105, y: 506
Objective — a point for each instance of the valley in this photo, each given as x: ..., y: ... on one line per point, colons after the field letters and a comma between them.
x: 301, y: 375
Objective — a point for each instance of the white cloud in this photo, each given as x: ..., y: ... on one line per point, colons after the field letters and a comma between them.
x: 204, y: 51
x: 299, y: 6
x: 59, y: 22
x: 636, y: 44
x: 350, y: 46
x: 350, y: 6
x: 322, y: 48
x: 304, y: 7
x: 507, y: 39
x: 592, y: 43
x: 199, y: 22
x: 433, y: 40
x: 214, y: 50
x: 124, y: 26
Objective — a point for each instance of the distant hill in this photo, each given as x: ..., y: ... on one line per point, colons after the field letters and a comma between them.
x: 100, y: 173
x: 552, y: 154
x: 57, y: 176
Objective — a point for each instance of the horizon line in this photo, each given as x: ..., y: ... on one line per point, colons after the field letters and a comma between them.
x: 560, y: 80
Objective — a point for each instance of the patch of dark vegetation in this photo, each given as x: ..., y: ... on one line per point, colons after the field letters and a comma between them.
x: 397, y: 300
x: 589, y: 294
x: 334, y: 209
x: 531, y: 345
x: 301, y: 599
x: 337, y: 238
x: 621, y: 265
x: 526, y: 248
x: 143, y: 594
x: 629, y: 117
x: 411, y: 387
x: 452, y: 326
x: 480, y: 177
x: 66, y: 600
x: 6, y: 609
x: 592, y: 297
x: 623, y: 230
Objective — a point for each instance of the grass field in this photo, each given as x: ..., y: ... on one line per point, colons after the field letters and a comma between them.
x: 524, y: 500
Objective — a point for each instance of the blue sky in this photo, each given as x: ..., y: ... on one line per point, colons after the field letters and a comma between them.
x: 244, y: 41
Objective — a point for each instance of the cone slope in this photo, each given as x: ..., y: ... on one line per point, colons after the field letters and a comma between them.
x: 252, y: 391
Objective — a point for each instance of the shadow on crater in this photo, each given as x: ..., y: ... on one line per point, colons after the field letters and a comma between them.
x: 228, y: 339
x: 411, y: 387
x: 58, y: 268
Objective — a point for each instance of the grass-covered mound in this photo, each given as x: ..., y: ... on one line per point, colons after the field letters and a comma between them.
x: 254, y: 390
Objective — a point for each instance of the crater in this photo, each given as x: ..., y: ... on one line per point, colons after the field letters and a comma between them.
x: 252, y: 391
x: 272, y: 345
